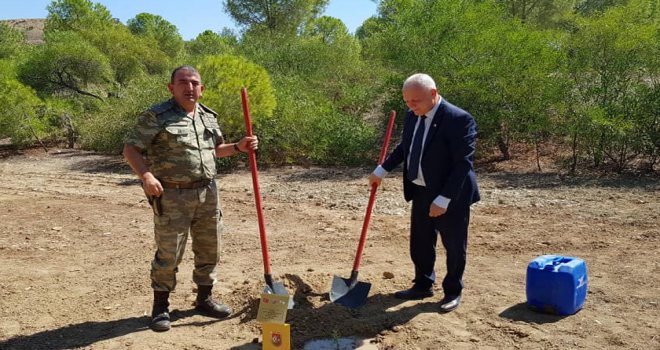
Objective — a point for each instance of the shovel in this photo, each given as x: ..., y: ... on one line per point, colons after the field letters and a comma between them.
x: 272, y: 287
x: 349, y: 291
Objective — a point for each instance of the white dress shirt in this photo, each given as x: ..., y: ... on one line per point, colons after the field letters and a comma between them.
x: 440, y: 201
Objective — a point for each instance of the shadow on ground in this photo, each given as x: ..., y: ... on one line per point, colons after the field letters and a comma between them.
x: 504, y: 179
x: 521, y: 312
x: 88, y: 333
x: 76, y: 335
x: 101, y: 164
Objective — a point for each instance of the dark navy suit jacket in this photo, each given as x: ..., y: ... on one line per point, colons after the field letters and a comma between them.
x: 447, y: 159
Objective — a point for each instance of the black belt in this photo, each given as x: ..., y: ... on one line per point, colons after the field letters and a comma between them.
x: 186, y: 185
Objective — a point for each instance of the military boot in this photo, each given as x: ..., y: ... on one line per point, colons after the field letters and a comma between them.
x: 207, y: 306
x: 160, y: 321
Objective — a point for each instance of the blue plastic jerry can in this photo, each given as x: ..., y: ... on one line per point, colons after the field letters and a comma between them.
x: 556, y: 284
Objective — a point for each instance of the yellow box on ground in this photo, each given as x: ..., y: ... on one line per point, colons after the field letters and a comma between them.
x: 276, y: 336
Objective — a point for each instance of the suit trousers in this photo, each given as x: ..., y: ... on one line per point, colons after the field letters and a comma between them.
x: 453, y: 230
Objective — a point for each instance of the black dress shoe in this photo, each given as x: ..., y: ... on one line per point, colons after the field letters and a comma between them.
x: 414, y: 293
x: 449, y: 303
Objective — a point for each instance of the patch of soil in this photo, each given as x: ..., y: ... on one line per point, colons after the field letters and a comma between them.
x: 76, y: 243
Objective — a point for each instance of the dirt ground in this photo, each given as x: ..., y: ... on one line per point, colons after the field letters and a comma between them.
x: 76, y: 243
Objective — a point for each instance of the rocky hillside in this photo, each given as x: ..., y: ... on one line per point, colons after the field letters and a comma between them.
x: 33, y: 28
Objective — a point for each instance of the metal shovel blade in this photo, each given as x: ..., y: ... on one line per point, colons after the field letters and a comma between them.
x: 352, y: 294
x: 278, y: 288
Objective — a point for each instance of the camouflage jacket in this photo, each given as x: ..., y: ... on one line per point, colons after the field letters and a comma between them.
x: 177, y: 147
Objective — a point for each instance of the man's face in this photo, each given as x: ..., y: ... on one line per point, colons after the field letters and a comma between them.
x: 186, y: 88
x: 420, y: 100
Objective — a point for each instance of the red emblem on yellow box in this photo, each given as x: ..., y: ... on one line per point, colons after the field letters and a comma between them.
x: 276, y: 336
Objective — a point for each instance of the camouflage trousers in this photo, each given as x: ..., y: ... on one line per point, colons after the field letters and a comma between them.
x: 187, y: 211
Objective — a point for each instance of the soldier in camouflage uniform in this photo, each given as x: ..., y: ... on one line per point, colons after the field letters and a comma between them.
x: 180, y: 139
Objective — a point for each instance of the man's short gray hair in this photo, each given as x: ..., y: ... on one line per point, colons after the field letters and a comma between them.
x: 419, y: 80
x: 188, y: 68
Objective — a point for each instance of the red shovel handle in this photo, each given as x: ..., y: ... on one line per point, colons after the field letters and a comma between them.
x: 255, y: 183
x: 388, y: 136
x: 372, y: 197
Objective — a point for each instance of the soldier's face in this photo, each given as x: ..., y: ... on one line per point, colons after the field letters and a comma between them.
x: 420, y: 100
x: 186, y: 88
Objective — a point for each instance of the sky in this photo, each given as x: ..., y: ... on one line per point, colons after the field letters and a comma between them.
x: 198, y: 16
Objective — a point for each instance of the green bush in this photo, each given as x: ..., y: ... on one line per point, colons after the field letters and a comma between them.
x: 306, y: 128
x: 19, y: 104
x: 106, y: 129
x: 66, y: 64
x: 223, y: 77
x: 12, y: 41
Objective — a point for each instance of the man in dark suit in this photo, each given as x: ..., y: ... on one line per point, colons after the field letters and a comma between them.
x: 437, y: 150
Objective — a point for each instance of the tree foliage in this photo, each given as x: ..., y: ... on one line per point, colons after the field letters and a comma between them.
x: 163, y: 32
x: 12, y: 41
x: 330, y: 30
x: 20, y: 119
x: 579, y: 74
x: 542, y: 12
x: 66, y: 64
x: 496, y: 69
x: 307, y: 128
x: 130, y: 56
x: 210, y: 43
x: 77, y: 15
x: 105, y: 130
x: 282, y: 16
x: 525, y: 77
x: 595, y: 7
x: 613, y: 63
x: 223, y: 77
x: 323, y: 94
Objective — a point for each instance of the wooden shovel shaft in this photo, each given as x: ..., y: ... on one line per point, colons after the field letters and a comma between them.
x: 255, y: 185
x: 372, y: 197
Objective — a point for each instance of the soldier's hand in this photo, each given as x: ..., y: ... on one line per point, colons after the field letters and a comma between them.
x: 248, y: 143
x: 151, y: 185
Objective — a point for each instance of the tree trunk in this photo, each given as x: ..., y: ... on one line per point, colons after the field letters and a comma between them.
x: 574, y: 149
x: 70, y: 131
x: 504, y: 148
x: 34, y: 133
x: 538, y: 154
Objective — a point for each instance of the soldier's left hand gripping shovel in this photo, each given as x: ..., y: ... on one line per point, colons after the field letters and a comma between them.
x: 349, y: 291
x: 272, y: 287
